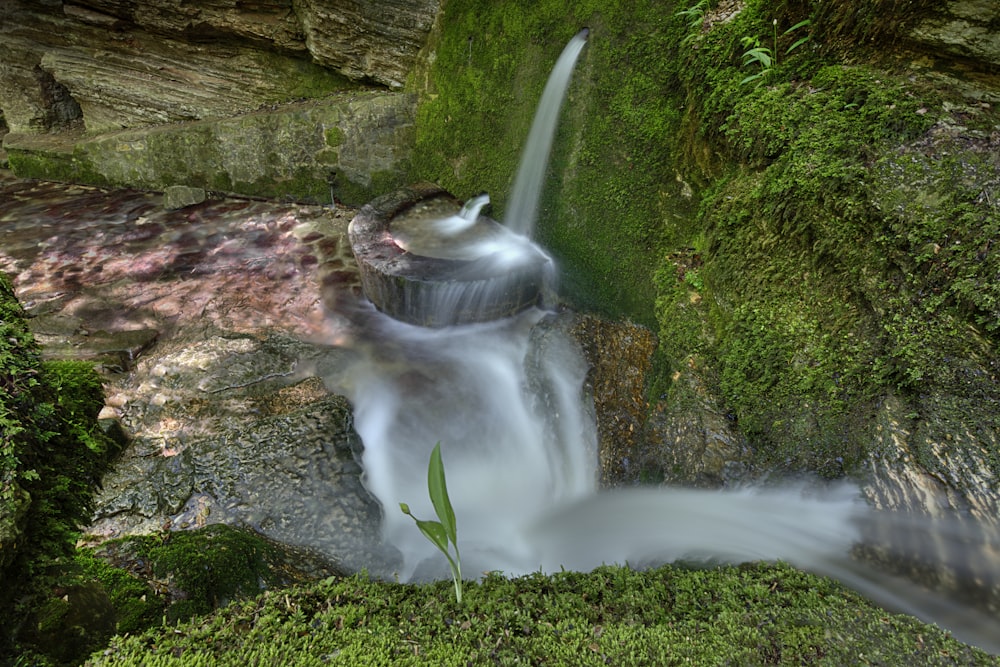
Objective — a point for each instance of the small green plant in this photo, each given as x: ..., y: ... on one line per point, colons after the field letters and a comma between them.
x: 767, y: 58
x: 443, y: 531
x: 695, y: 15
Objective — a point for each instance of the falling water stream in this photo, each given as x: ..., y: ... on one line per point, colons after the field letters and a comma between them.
x: 505, y: 399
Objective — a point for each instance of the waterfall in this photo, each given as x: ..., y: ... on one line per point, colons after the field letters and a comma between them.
x: 517, y: 436
x: 522, y: 209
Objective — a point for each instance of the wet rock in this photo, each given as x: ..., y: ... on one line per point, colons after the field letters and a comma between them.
x: 620, y: 356
x: 437, y: 289
x: 964, y: 29
x: 217, y: 307
x: 112, y: 350
x: 554, y: 344
x: 182, y: 196
x: 683, y: 438
x: 922, y: 463
x: 690, y: 439
x: 292, y: 477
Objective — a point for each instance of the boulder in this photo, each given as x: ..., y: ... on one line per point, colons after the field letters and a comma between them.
x: 182, y: 196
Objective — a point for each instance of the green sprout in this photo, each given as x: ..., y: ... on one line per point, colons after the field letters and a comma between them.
x: 765, y: 57
x: 443, y: 531
x: 695, y: 16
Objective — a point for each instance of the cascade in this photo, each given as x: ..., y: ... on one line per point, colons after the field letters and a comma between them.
x: 455, y: 353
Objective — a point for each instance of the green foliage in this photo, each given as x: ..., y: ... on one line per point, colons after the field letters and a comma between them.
x: 52, y: 449
x: 766, y: 58
x: 443, y: 531
x: 19, y: 370
x: 695, y: 17
x: 752, y: 614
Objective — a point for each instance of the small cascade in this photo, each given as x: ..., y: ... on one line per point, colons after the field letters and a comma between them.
x: 427, y: 260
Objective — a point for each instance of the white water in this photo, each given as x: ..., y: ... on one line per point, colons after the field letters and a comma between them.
x: 519, y: 449
x: 515, y: 435
x: 506, y: 401
x: 522, y: 208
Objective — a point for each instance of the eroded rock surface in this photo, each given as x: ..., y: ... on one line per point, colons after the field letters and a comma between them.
x: 201, y: 321
x: 964, y: 29
x: 113, y: 65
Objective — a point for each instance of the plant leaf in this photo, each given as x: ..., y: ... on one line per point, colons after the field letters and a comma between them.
x: 438, y: 489
x: 798, y: 25
x: 761, y: 54
x: 434, y: 531
x: 797, y: 44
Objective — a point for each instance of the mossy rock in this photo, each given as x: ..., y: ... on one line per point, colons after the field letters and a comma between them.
x: 177, y: 575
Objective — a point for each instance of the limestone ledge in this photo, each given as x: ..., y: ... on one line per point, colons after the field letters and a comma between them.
x: 108, y: 65
x: 963, y: 28
x: 351, y: 146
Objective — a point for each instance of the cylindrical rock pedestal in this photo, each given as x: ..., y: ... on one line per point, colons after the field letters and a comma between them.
x: 434, y: 284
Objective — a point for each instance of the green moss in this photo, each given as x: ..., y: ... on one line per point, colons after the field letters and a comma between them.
x: 211, y: 567
x: 334, y: 136
x: 310, y: 80
x: 840, y: 256
x: 54, y: 165
x: 610, y: 201
x: 752, y: 614
x: 303, y: 184
x: 52, y: 448
x: 171, y: 577
x: 137, y: 606
x: 826, y: 278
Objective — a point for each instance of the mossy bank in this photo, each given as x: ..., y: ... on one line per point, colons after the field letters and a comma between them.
x: 748, y: 615
x: 53, y: 451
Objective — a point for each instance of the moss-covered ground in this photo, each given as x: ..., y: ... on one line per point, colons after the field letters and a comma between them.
x: 747, y: 615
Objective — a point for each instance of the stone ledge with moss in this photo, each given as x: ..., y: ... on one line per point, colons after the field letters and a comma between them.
x: 350, y: 146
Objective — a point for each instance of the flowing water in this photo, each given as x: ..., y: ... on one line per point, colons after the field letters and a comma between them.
x: 522, y: 209
x: 507, y: 403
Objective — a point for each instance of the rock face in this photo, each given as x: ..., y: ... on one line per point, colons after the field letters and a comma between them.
x: 346, y: 147
x: 964, y: 29
x: 199, y: 319
x: 365, y: 40
x: 113, y: 65
x: 104, y: 66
